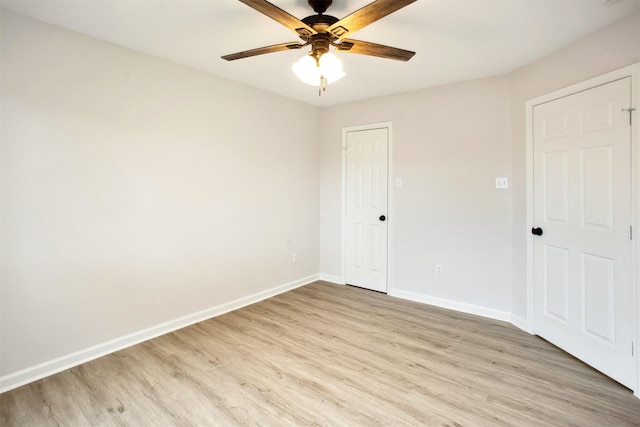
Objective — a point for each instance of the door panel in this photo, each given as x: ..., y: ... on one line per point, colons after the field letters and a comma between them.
x: 582, y: 201
x: 556, y: 282
x: 597, y: 187
x: 599, y: 296
x: 366, y: 201
x: 556, y: 206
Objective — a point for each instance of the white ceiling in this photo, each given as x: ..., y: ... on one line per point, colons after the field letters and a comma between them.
x: 455, y: 40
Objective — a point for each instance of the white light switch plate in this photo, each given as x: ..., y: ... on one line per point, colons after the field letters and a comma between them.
x: 502, y: 183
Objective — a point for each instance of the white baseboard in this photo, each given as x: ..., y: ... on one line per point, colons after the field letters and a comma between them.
x: 42, y: 370
x: 332, y: 279
x: 453, y: 305
x: 519, y: 322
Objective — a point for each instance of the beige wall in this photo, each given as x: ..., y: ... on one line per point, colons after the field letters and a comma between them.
x: 136, y: 191
x: 449, y: 145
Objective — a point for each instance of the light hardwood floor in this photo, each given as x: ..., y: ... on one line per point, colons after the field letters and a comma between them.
x: 330, y: 355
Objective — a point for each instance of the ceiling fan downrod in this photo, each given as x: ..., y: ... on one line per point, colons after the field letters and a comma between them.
x: 320, y: 6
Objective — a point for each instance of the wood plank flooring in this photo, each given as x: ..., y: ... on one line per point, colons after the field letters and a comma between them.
x: 330, y: 355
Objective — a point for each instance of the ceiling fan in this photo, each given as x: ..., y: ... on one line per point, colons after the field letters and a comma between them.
x: 321, y: 31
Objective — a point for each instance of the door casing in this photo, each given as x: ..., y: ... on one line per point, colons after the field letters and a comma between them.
x: 632, y: 71
x: 388, y: 126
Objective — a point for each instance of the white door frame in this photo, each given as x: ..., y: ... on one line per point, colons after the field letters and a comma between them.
x: 390, y: 218
x: 632, y: 71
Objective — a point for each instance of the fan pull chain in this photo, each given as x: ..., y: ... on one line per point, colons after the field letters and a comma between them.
x: 323, y: 85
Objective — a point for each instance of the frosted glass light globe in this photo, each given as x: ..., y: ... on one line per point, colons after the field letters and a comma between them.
x: 309, y: 72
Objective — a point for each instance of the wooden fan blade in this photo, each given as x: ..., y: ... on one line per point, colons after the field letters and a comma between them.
x: 279, y: 15
x: 374, y: 49
x: 262, y: 50
x: 366, y: 15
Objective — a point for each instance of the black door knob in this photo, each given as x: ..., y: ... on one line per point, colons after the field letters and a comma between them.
x: 382, y: 217
x: 536, y: 231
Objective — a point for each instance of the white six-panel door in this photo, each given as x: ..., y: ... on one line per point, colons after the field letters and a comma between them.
x: 366, y: 209
x: 582, y: 205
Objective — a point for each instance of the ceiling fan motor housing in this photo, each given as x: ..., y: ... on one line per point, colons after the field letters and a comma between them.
x: 320, y: 23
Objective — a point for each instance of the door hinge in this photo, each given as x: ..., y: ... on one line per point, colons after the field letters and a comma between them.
x: 631, y: 232
x: 632, y: 347
x: 630, y: 110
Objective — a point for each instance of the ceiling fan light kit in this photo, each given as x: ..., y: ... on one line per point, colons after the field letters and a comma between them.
x: 323, y: 71
x: 320, y: 67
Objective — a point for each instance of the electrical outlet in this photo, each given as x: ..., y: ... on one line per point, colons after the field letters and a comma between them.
x: 438, y: 269
x: 294, y: 257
